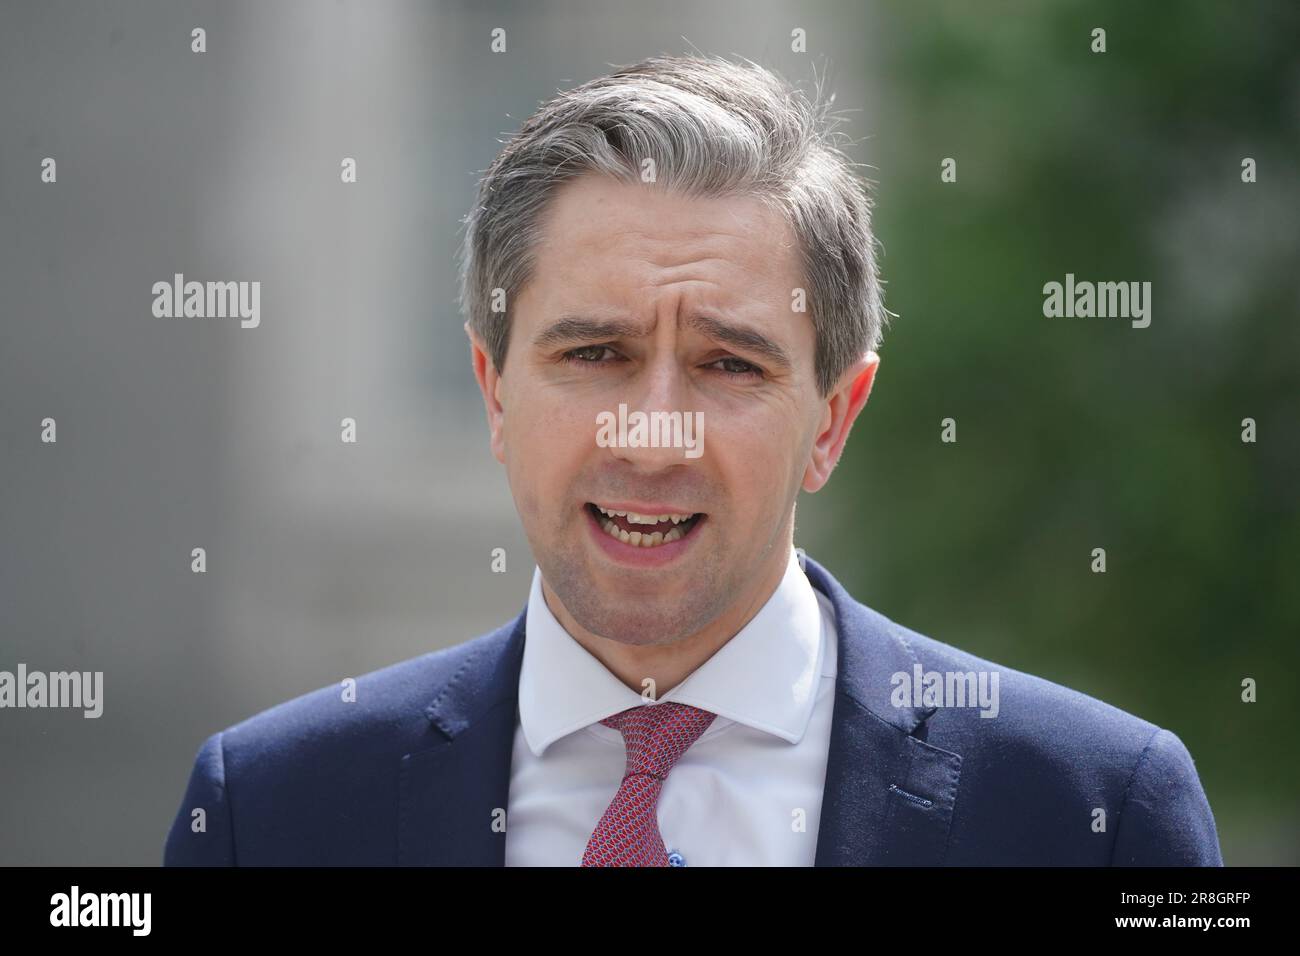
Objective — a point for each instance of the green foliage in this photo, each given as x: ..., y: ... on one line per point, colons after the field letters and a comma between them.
x: 1078, y: 433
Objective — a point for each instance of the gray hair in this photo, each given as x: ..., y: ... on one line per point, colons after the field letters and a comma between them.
x: 711, y: 127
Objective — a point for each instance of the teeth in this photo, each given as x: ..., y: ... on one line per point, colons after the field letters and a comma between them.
x: 634, y: 518
x: 637, y: 539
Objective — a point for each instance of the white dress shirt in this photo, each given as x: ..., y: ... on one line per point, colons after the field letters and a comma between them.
x: 747, y: 793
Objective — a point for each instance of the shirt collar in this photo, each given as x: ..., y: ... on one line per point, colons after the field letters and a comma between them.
x: 766, y: 676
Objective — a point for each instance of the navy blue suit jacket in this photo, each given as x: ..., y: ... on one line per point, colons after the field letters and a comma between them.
x: 416, y: 769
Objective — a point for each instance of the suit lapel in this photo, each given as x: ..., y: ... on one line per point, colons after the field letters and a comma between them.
x: 889, y: 795
x: 453, y: 794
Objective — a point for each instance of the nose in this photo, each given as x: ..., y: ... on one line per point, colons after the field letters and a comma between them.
x: 661, y: 430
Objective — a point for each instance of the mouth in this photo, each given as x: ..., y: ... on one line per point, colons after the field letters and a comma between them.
x: 647, y: 531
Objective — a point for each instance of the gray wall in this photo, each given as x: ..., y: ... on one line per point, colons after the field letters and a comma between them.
x: 324, y: 560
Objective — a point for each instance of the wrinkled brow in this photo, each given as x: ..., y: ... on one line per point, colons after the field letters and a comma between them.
x: 574, y: 328
x: 743, y: 338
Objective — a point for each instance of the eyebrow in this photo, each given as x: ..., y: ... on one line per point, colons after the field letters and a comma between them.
x: 742, y: 338
x: 574, y: 328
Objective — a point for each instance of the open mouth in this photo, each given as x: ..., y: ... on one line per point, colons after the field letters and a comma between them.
x: 644, y: 531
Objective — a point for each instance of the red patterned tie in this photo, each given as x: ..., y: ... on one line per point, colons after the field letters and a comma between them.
x: 655, y: 736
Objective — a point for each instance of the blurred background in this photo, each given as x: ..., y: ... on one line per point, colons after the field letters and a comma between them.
x: 328, y: 560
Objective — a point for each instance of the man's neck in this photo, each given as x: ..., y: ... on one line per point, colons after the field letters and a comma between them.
x: 667, y: 665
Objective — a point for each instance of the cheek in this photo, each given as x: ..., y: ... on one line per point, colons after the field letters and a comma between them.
x: 757, y: 461
x: 526, y: 502
x: 547, y: 446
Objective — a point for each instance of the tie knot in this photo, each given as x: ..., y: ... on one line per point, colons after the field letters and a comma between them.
x: 656, y: 735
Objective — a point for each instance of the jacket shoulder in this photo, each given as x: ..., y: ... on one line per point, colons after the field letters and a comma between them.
x: 1126, y: 789
x: 1027, y: 704
x: 385, y: 698
x: 323, y: 762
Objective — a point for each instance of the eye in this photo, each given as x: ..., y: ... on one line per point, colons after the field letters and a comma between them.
x: 739, y: 368
x: 585, y: 355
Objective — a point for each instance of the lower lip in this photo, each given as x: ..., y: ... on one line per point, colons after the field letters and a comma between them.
x: 634, y: 555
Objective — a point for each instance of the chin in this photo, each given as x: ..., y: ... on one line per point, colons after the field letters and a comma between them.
x: 637, y: 608
x: 638, y: 626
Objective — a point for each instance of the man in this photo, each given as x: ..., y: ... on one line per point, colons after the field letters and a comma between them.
x: 673, y: 308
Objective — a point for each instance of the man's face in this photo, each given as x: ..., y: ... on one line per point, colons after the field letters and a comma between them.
x: 661, y: 303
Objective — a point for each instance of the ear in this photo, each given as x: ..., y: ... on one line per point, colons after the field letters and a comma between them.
x: 838, y: 414
x: 489, y: 383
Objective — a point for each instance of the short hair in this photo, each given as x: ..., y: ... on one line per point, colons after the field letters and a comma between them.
x: 712, y: 128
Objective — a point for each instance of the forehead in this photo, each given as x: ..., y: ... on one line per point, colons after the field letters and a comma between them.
x: 623, y: 238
